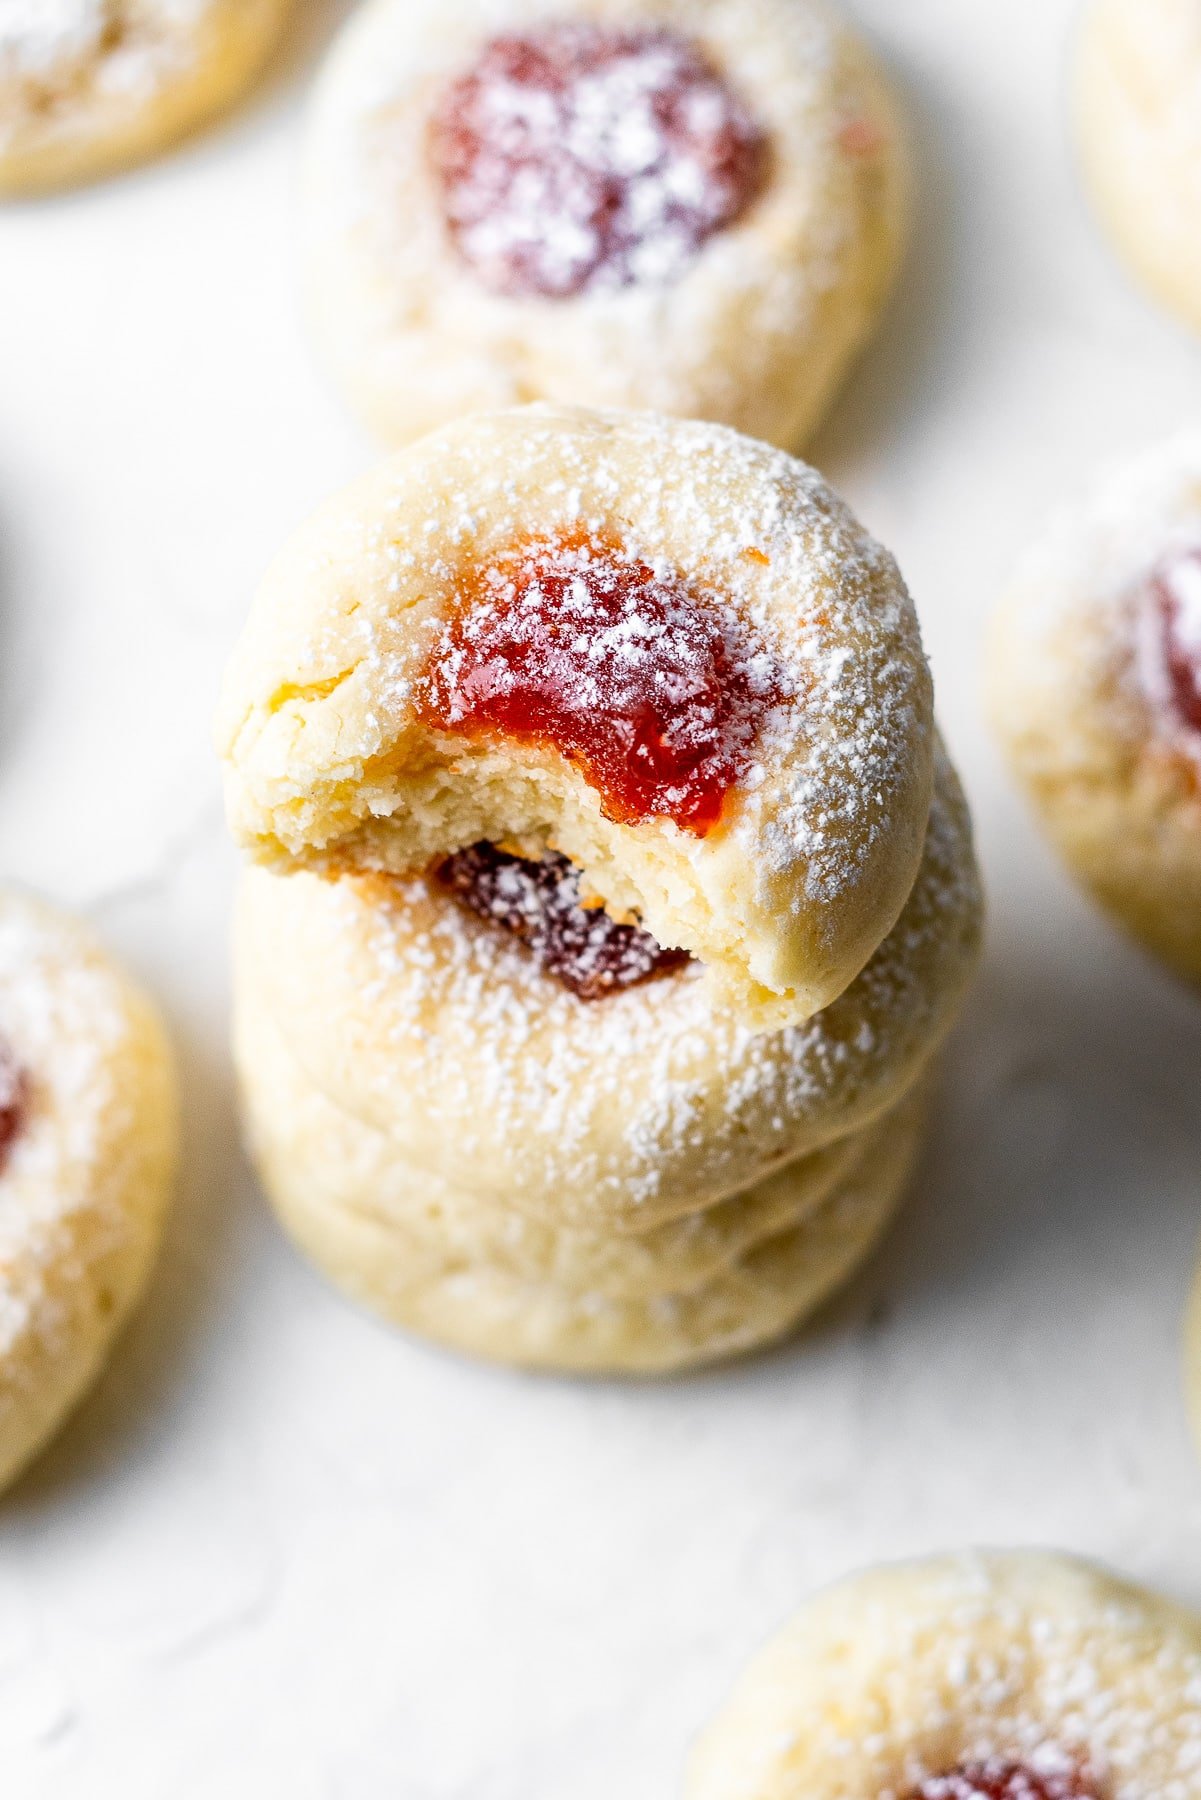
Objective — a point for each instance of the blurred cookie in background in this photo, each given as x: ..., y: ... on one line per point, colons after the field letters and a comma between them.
x: 696, y: 206
x: 1138, y: 127
x: 1095, y: 693
x: 88, y: 86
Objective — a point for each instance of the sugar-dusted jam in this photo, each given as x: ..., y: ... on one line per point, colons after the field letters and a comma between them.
x: 583, y: 156
x: 13, y: 1096
x: 539, y: 902
x: 656, y: 695
x: 1000, y: 1779
x: 1176, y: 595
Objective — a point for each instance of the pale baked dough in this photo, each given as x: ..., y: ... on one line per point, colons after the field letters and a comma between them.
x: 1137, y: 77
x: 85, y: 1182
x: 1077, y: 695
x: 756, y: 333
x: 328, y: 764
x: 87, y: 86
x: 446, y: 1035
x: 900, y: 1675
x: 484, y: 1278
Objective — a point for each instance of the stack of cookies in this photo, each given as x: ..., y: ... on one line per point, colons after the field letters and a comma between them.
x: 609, y: 893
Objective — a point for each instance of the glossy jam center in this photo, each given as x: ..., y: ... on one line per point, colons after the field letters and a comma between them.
x: 581, y: 156
x: 1002, y: 1780
x: 13, y: 1089
x: 1176, y: 593
x: 539, y: 902
x: 655, y: 695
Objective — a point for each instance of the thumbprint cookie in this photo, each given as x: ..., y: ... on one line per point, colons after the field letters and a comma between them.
x: 483, y: 1276
x: 1096, y: 695
x: 664, y: 651
x: 690, y: 205
x: 610, y: 892
x: 488, y: 1116
x: 87, y: 1157
x: 1002, y: 1676
x: 454, y: 1035
x: 88, y: 86
x: 1138, y: 65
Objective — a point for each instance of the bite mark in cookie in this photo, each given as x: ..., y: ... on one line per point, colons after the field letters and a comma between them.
x: 539, y: 903
x: 655, y: 693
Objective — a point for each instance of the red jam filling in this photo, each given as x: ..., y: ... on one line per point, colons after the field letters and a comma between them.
x: 539, y: 902
x: 1176, y: 595
x: 571, y: 644
x: 585, y: 156
x: 13, y: 1095
x: 999, y: 1779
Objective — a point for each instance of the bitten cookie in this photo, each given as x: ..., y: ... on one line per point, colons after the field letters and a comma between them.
x: 1095, y: 691
x: 652, y: 645
x: 690, y: 205
x: 87, y: 86
x: 468, y: 1051
x: 1138, y: 66
x: 87, y: 1155
x: 1018, y: 1676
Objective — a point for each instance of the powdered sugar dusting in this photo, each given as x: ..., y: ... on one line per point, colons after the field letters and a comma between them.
x: 539, y: 904
x: 61, y: 1016
x: 1089, y: 1696
x: 657, y: 693
x: 40, y: 36
x: 985, y: 1676
x: 998, y: 1779
x: 495, y: 1050
x: 13, y: 1096
x: 418, y: 335
x: 58, y: 55
x: 843, y: 755
x: 1170, y: 637
x: 584, y: 157
x: 1117, y: 582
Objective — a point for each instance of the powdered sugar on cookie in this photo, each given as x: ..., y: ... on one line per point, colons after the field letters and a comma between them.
x: 465, y: 1018
x: 986, y: 1676
x: 61, y: 1019
x: 42, y: 37
x: 14, y: 1084
x: 658, y: 694
x: 580, y: 157
x: 59, y: 58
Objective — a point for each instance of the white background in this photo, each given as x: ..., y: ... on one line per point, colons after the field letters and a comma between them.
x: 282, y: 1552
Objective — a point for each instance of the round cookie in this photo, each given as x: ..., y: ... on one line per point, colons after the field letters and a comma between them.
x: 1138, y: 65
x: 87, y: 1156
x: 317, y: 1158
x: 486, y: 1280
x: 417, y: 1018
x: 662, y: 649
x: 692, y: 205
x: 1095, y: 691
x: 87, y: 86
x: 1004, y: 1676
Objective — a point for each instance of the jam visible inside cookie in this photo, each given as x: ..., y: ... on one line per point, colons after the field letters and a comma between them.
x: 570, y: 643
x: 539, y: 902
x: 585, y: 156
x: 1003, y: 1780
x: 1176, y: 587
x: 13, y: 1096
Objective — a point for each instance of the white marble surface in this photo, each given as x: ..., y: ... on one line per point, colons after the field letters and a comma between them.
x: 282, y: 1552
